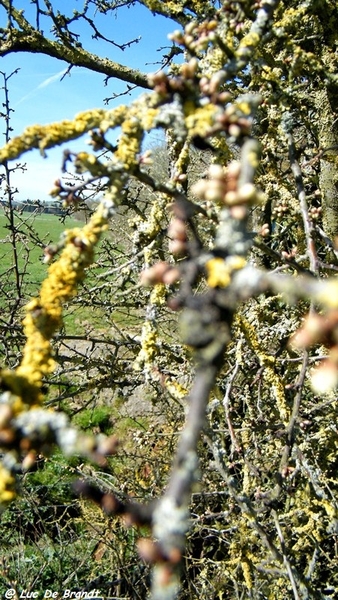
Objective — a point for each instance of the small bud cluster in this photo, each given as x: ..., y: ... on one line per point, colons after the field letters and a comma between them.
x: 196, y: 36
x: 146, y: 158
x: 177, y: 232
x: 280, y: 210
x: 200, y: 104
x: 321, y: 329
x: 235, y: 120
x: 222, y: 186
x: 188, y: 81
x: 265, y: 230
x: 161, y: 272
x: 317, y: 329
x: 49, y: 253
x: 99, y: 142
x: 291, y: 254
x: 151, y: 552
x: 166, y: 86
x: 68, y: 196
x: 315, y: 213
x: 234, y: 14
x: 211, y: 87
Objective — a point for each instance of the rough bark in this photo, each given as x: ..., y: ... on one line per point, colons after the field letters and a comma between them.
x: 328, y: 178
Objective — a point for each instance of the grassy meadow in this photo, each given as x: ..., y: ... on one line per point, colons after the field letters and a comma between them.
x: 33, y: 232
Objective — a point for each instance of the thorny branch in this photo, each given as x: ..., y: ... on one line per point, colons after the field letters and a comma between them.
x: 9, y: 188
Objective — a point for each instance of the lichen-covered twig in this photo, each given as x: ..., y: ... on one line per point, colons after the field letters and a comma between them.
x: 23, y: 386
x: 297, y: 173
x: 26, y: 37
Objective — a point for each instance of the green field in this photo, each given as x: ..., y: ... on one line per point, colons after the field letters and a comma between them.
x: 32, y: 233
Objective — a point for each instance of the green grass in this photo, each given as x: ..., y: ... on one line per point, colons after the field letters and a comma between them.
x: 33, y: 233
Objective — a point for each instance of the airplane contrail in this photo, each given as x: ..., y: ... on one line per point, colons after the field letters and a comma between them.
x: 41, y: 85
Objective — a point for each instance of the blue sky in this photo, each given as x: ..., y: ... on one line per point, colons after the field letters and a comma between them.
x: 38, y: 96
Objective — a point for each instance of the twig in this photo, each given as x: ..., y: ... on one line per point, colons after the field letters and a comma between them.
x: 308, y: 225
x: 226, y: 403
x: 285, y: 558
x: 290, y: 431
x: 171, y: 517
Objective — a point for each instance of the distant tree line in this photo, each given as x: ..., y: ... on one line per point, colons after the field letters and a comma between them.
x: 54, y: 208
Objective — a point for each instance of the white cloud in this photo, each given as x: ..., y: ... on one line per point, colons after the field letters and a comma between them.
x: 50, y: 80
x: 45, y: 83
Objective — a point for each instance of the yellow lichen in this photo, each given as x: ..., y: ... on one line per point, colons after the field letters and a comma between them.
x: 130, y: 142
x: 148, y: 118
x: 251, y: 40
x: 274, y: 381
x: 7, y: 491
x: 199, y: 120
x: 133, y: 120
x: 152, y: 226
x: 175, y: 389
x: 158, y: 295
x: 47, y: 136
x: 44, y: 313
x: 246, y: 573
x: 219, y: 271
x: 244, y: 107
x: 148, y: 347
